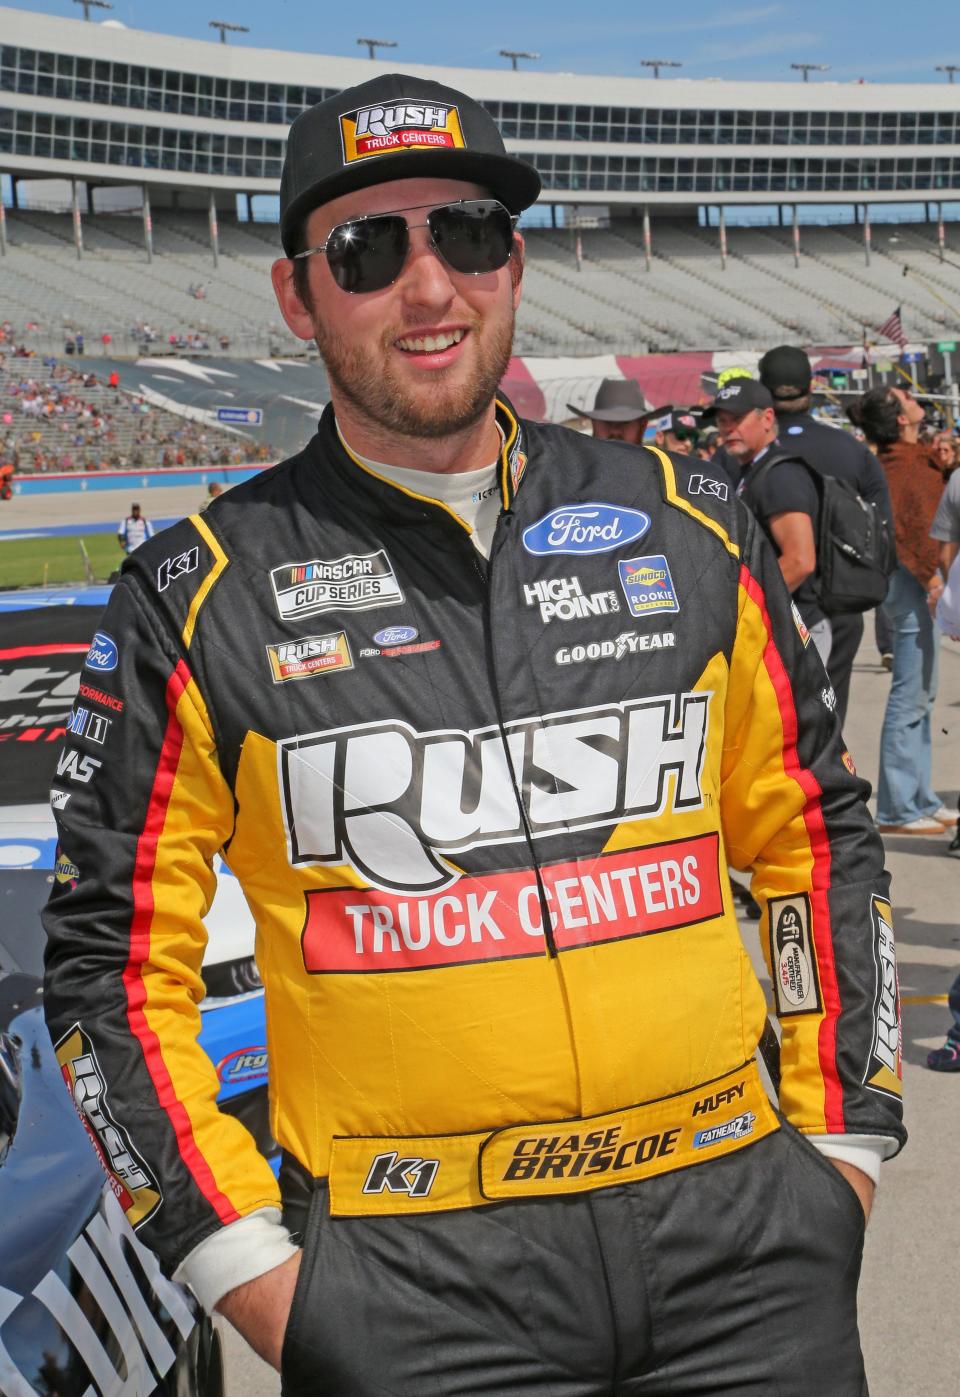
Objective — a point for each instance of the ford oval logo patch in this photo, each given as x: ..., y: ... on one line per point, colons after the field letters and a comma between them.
x: 103, y: 654
x: 395, y: 635
x: 585, y: 528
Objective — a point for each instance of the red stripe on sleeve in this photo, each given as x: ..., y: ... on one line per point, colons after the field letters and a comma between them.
x: 26, y: 652
x: 140, y: 928
x: 822, y: 871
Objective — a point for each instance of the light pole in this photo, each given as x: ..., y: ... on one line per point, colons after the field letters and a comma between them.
x: 657, y: 63
x: 951, y: 69
x: 807, y: 68
x: 374, y: 44
x: 226, y: 28
x: 92, y: 4
x: 514, y: 54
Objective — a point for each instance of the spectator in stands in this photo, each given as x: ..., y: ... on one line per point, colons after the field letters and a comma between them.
x: 134, y: 530
x: 619, y: 412
x: 906, y: 801
x: 783, y: 497
x: 677, y: 432
x: 787, y: 373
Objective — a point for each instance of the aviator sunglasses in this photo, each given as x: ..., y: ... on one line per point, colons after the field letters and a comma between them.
x: 472, y: 236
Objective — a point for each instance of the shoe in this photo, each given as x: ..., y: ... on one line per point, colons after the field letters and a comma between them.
x: 945, y: 815
x: 886, y: 659
x: 953, y: 848
x: 945, y: 1059
x: 924, y: 824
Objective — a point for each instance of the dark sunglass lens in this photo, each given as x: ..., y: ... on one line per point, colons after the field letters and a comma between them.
x: 369, y: 254
x: 474, y: 237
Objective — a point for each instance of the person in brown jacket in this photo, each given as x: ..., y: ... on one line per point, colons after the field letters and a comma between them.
x: 906, y: 801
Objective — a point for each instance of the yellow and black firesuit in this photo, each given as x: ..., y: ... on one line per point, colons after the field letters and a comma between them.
x: 482, y: 814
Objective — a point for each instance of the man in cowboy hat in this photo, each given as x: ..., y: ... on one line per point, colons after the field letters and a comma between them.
x: 619, y: 412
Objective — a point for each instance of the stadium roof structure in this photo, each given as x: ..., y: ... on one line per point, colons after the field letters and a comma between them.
x: 104, y: 104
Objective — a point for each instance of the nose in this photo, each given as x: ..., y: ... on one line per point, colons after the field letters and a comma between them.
x: 426, y: 280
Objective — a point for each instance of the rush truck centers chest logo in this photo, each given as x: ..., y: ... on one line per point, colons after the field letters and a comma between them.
x: 395, y: 803
x: 402, y: 126
x: 309, y: 656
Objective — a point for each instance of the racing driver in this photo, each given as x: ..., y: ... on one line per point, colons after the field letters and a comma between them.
x: 478, y: 711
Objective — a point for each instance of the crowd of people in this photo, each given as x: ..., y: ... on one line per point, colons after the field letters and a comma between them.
x: 67, y: 418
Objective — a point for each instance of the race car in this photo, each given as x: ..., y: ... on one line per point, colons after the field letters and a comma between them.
x: 84, y: 1306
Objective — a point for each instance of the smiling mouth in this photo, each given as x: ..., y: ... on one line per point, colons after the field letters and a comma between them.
x: 430, y: 344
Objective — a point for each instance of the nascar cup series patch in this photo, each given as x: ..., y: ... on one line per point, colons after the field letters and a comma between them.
x: 402, y: 126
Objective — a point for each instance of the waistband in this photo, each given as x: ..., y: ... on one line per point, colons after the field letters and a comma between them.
x: 375, y: 1176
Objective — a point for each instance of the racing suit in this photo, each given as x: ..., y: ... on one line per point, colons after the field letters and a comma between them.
x: 482, y: 814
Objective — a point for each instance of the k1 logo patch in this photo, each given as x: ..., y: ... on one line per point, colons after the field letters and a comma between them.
x: 172, y: 568
x: 647, y: 585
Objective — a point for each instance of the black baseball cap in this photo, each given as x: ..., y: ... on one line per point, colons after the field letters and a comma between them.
x: 738, y: 396
x: 681, y: 422
x: 395, y: 127
x: 786, y: 372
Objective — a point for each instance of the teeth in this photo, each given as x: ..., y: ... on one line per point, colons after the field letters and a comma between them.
x: 432, y: 344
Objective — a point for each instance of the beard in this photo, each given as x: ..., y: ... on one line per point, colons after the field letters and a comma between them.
x: 438, y: 410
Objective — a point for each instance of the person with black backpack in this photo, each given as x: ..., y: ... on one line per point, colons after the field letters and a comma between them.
x: 786, y: 371
x: 779, y: 491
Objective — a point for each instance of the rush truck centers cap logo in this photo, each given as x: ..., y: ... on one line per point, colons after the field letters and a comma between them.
x: 402, y: 126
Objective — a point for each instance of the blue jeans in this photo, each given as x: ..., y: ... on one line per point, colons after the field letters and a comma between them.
x: 904, y: 791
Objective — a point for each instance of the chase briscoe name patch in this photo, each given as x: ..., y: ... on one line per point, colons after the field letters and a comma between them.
x: 311, y: 655
x: 353, y: 583
x: 647, y: 585
x: 402, y: 126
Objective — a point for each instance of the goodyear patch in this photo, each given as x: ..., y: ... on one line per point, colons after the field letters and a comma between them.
x: 647, y: 585
x: 308, y: 656
x: 401, y: 126
x: 792, y: 957
x: 884, y: 1070
x: 132, y: 1184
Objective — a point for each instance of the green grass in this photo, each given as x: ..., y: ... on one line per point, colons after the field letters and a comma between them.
x: 35, y: 562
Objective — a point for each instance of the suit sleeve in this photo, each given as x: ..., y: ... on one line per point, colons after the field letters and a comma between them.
x: 141, y: 813
x: 794, y: 813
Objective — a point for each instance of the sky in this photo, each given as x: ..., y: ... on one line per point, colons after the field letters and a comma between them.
x: 876, y: 41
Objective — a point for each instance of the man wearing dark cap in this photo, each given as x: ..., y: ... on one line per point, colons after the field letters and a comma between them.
x: 787, y: 373
x: 619, y: 412
x: 478, y: 710
x: 783, y: 497
x: 677, y: 431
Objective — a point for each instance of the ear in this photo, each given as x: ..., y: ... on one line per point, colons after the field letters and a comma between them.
x: 294, y: 312
x: 516, y: 267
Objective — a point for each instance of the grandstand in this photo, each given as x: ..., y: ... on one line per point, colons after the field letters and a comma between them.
x: 633, y: 254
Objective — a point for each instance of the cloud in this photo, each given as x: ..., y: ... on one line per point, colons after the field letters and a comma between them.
x: 735, y: 51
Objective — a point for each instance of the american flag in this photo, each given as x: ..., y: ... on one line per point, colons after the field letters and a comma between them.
x: 892, y: 329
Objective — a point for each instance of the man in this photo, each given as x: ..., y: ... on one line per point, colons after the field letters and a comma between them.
x: 677, y: 432
x: 783, y: 497
x: 619, y: 412
x: 134, y: 530
x: 787, y: 373
x: 477, y: 710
